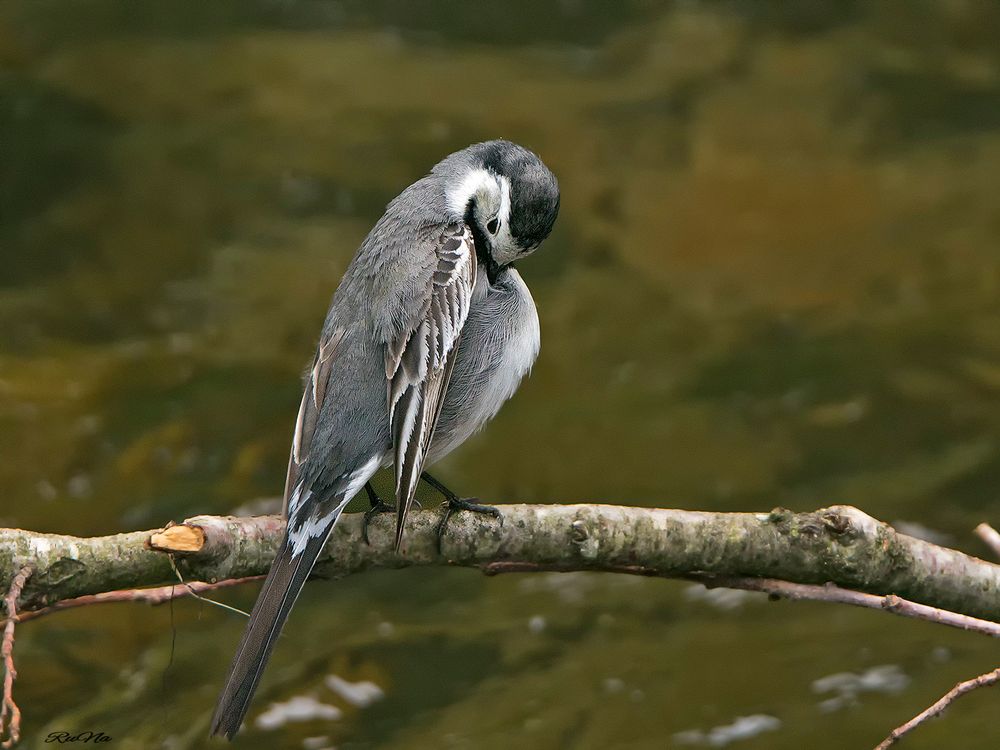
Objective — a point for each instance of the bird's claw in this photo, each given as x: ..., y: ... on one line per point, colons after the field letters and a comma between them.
x: 373, y: 511
x: 453, y: 504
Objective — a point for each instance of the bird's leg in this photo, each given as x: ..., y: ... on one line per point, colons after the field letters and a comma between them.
x: 377, y: 506
x: 454, y: 503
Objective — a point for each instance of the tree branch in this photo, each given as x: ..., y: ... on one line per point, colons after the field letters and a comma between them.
x: 989, y: 535
x: 983, y: 680
x: 831, y: 593
x: 153, y: 596
x: 841, y: 545
x: 10, y: 714
x: 837, y: 554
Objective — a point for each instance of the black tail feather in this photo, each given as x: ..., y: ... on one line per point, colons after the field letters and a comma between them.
x: 281, y: 588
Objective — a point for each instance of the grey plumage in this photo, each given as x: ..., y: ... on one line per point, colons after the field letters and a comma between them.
x: 429, y: 332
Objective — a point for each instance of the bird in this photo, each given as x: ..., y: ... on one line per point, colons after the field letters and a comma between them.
x: 429, y: 332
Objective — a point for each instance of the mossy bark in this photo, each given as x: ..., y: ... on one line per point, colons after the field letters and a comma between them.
x: 840, y: 544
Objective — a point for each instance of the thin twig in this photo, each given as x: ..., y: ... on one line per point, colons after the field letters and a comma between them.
x: 9, y: 708
x: 796, y: 592
x: 195, y: 594
x: 831, y: 593
x: 154, y: 596
x: 983, y: 680
x: 989, y: 535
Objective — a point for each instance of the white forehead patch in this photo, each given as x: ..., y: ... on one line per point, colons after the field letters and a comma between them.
x: 475, y: 182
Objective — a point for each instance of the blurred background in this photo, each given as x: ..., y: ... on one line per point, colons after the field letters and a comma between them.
x: 774, y: 281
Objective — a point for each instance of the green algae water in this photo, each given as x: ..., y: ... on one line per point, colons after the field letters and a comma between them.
x: 775, y: 280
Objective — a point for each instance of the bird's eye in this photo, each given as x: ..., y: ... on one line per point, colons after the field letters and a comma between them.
x: 493, y: 225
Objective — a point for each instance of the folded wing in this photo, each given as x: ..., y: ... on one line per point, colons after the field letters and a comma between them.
x: 419, y: 361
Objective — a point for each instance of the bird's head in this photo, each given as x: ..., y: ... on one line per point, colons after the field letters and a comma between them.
x: 506, y: 195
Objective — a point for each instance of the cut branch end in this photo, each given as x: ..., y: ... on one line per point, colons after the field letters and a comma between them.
x: 180, y: 538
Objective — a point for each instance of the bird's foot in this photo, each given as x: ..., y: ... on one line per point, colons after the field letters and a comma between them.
x: 373, y: 511
x: 377, y: 506
x: 455, y: 503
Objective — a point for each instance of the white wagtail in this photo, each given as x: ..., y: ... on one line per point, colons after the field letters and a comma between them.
x: 430, y: 331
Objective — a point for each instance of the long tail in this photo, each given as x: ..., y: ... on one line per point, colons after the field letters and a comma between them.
x: 288, y: 574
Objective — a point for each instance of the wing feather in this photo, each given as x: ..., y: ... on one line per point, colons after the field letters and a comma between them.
x: 419, y: 362
x: 309, y: 408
